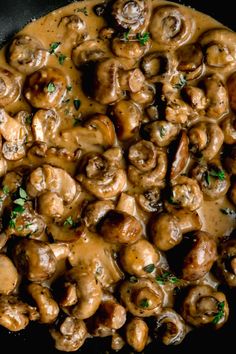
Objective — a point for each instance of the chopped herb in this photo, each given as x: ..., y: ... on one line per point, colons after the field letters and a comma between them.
x: 23, y: 193
x: 149, y: 268
x: 133, y: 279
x: 84, y: 10
x: 77, y: 103
x: 217, y: 173
x: 61, y: 58
x: 27, y: 226
x: 69, y: 87
x: 69, y: 222
x: 228, y: 211
x: 144, y: 303
x: 220, y: 314
x: 53, y: 47
x: 182, y: 82
x: 126, y: 35
x: 143, y: 38
x: 19, y: 201
x: 162, y: 132
x: 51, y: 87
x: 77, y: 121
x: 5, y: 190
x: 12, y: 223
x: 28, y: 119
x: 167, y: 277
x: 18, y: 209
x: 207, y: 177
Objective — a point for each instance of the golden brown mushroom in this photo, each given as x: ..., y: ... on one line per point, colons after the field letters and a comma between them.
x: 190, y: 59
x: 9, y: 87
x: 181, y: 156
x: 225, y: 264
x: 161, y: 132
x: 230, y: 160
x: 137, y: 334
x: 95, y: 211
x: 129, y: 48
x: 158, y: 66
x: 45, y: 124
x: 173, y: 325
x: 229, y: 129
x: 74, y: 28
x: 8, y: 275
x: 87, y: 51
x: 27, y: 54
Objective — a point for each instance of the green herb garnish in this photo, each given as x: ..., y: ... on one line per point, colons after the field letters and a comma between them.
x: 167, y: 277
x: 207, y: 177
x: 69, y: 222
x: 28, y: 119
x: 149, y: 268
x: 84, y: 10
x: 53, y: 47
x: 77, y: 121
x: 182, y: 82
x: 228, y: 211
x: 5, y: 190
x: 69, y: 87
x: 77, y: 103
x: 61, y: 58
x: 220, y: 314
x: 133, y: 279
x: 51, y: 87
x: 217, y: 173
x: 23, y: 193
x: 143, y: 38
x: 144, y: 303
x: 126, y: 35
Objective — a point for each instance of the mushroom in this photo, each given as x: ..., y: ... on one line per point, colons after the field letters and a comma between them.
x: 46, y: 88
x: 45, y: 124
x: 136, y: 257
x: 34, y: 259
x: 228, y: 127
x: 181, y: 156
x: 8, y: 275
x: 3, y: 166
x: 204, y: 305
x: 86, y: 295
x: 120, y: 227
x: 143, y: 298
x: 150, y: 201
x: 145, y: 96
x: 206, y: 139
x: 171, y: 26
x: 95, y: 211
x: 216, y: 95
x: 96, y: 131
x: 126, y: 116
x: 166, y: 230
x: 200, y: 258
x: 225, y: 264
x: 219, y: 49
x: 148, y: 165
x: 13, y: 150
x: 195, y: 97
x: 129, y: 48
x: 117, y: 342
x: 131, y: 80
x: 9, y: 87
x: 70, y: 335
x: 10, y: 129
x: 158, y: 66
x: 89, y: 51
x: 75, y: 28
x: 27, y: 54
x: 231, y: 84
x: 131, y: 15
x: 230, y: 160
x: 15, y: 314
x: 161, y: 132
x: 107, y: 88
x: 13, y: 180
x: 190, y: 60
x: 127, y: 204
x: 232, y: 193
x: 46, y: 306
x: 137, y: 334
x: 101, y: 176
x: 212, y: 179
x: 186, y: 193
x: 173, y: 325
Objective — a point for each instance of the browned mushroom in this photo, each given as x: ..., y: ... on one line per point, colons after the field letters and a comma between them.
x: 11, y: 129
x: 145, y: 96
x: 158, y: 66
x: 74, y: 28
x: 46, y: 88
x: 150, y: 201
x: 230, y: 160
x: 131, y: 80
x: 120, y: 227
x: 137, y: 334
x: 171, y: 26
x: 132, y: 15
x: 27, y: 54
x: 195, y: 96
x: 129, y: 48
x: 45, y: 124
x: 161, y: 132
x: 190, y: 59
x: 232, y: 192
x: 95, y: 211
x: 229, y: 129
x: 9, y: 87
x: 8, y: 275
x: 225, y: 264
x: 181, y: 157
x: 174, y: 325
x: 87, y: 51
x: 231, y: 84
x: 204, y: 305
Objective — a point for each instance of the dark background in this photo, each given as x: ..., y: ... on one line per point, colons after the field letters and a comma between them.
x: 35, y: 339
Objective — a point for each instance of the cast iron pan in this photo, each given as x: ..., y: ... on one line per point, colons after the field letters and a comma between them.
x: 14, y: 14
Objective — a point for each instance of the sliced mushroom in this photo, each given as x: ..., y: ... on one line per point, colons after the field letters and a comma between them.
x: 129, y: 48
x: 87, y: 294
x: 137, y: 334
x: 133, y: 15
x: 90, y: 50
x: 181, y: 157
x: 213, y: 180
x: 45, y: 125
x: 34, y: 259
x: 120, y: 227
x: 219, y: 48
x: 201, y: 306
x: 131, y: 80
x: 171, y: 26
x: 161, y: 132
x: 8, y: 275
x: 46, y: 88
x: 200, y: 258
x: 27, y: 54
x: 15, y: 314
x: 229, y: 129
x: 70, y: 336
x: 206, y: 139
x: 127, y: 119
x: 136, y: 257
x: 148, y: 165
x: 9, y: 87
x: 95, y: 211
x: 107, y: 87
x: 102, y: 177
x: 47, y: 307
x: 225, y: 264
x: 143, y: 298
x: 174, y: 327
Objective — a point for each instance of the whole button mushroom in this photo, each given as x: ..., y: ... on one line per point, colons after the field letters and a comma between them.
x: 46, y: 88
x: 34, y: 259
x: 120, y: 227
x: 137, y: 334
x: 226, y: 262
x: 161, y: 132
x: 9, y: 87
x: 8, y: 275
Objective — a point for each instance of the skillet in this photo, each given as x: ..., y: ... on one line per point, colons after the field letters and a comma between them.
x: 14, y: 14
